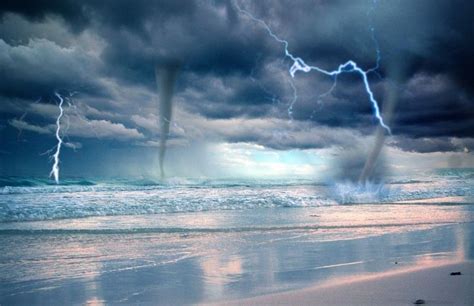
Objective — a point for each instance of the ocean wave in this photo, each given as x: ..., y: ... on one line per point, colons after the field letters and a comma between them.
x: 39, y: 199
x: 461, y: 173
x: 32, y: 186
x: 34, y: 208
x: 409, y: 181
x: 41, y: 182
x: 210, y: 230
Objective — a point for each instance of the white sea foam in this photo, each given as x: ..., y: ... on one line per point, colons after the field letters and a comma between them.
x: 27, y: 200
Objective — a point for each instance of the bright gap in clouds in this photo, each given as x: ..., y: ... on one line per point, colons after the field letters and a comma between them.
x: 251, y: 160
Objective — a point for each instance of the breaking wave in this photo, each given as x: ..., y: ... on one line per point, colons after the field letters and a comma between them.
x: 39, y: 199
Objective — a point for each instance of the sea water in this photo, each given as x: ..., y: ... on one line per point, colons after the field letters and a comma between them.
x: 198, y: 240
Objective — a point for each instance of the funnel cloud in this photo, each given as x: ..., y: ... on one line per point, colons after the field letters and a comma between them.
x: 395, y: 72
x: 166, y: 78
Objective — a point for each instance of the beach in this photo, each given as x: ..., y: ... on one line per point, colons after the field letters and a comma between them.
x: 434, y: 285
x: 213, y: 265
x: 237, y: 243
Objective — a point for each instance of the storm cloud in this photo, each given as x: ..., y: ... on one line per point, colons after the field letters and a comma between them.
x: 234, y: 84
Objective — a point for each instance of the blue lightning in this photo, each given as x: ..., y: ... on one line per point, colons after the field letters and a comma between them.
x: 347, y: 67
x: 55, y: 170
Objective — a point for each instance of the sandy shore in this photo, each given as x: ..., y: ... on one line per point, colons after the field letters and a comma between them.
x: 434, y: 285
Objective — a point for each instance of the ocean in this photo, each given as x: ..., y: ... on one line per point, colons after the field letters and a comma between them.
x: 195, y: 240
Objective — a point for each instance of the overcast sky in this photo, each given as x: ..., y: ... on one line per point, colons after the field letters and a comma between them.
x: 233, y: 90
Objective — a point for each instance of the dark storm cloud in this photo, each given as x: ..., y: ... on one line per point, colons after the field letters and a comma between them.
x: 435, y: 106
x: 202, y: 37
x: 440, y: 144
x: 226, y: 96
x: 41, y: 67
x: 451, y: 46
x: 70, y: 10
x: 347, y: 106
x: 107, y: 50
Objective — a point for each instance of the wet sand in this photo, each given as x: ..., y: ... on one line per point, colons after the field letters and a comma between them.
x: 329, y: 255
x: 433, y: 284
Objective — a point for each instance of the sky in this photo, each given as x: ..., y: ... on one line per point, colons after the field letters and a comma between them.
x: 233, y: 90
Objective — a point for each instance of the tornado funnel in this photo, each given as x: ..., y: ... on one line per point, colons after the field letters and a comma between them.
x: 165, y: 78
x: 396, y: 72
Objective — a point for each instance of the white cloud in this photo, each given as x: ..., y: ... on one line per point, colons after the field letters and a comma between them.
x: 25, y: 126
x: 82, y: 127
x: 150, y: 122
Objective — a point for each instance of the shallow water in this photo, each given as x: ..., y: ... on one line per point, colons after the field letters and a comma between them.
x: 190, y: 241
x: 39, y: 199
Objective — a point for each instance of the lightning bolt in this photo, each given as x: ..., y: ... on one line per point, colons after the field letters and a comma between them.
x: 347, y: 67
x: 55, y: 169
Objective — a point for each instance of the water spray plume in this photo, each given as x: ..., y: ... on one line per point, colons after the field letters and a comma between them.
x: 55, y: 170
x: 300, y: 65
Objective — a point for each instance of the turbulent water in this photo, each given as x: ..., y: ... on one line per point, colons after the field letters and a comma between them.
x: 24, y: 199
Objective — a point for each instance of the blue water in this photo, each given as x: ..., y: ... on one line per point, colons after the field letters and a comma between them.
x: 102, y: 241
x: 40, y: 199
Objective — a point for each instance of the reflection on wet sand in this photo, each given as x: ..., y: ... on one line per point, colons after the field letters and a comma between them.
x: 188, y: 267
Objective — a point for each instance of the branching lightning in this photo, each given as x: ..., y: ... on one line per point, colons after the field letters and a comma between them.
x: 300, y: 65
x: 55, y: 170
